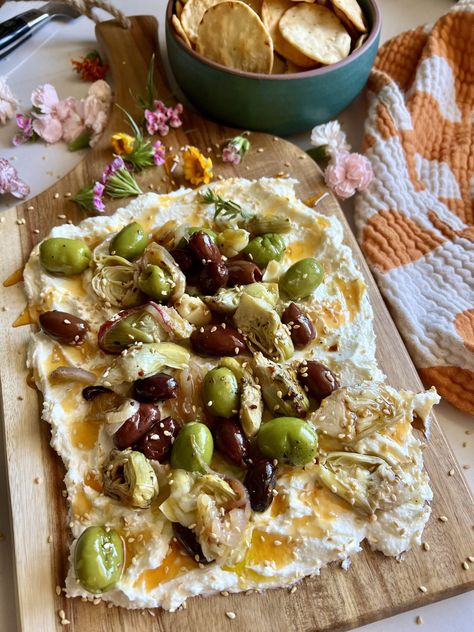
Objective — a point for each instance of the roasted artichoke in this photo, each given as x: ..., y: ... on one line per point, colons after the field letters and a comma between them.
x: 129, y: 477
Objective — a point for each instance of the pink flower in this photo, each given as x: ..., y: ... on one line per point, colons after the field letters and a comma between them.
x: 174, y: 115
x: 25, y: 124
x: 10, y: 181
x: 97, y: 193
x: 230, y: 154
x: 45, y: 98
x: 159, y: 153
x: 116, y: 164
x: 348, y: 173
x: 48, y: 127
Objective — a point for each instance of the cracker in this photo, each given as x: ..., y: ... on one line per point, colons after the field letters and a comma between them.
x: 178, y: 8
x: 352, y: 12
x: 192, y: 15
x: 316, y: 32
x: 361, y: 40
x: 256, y: 5
x: 272, y: 11
x: 232, y: 34
x: 179, y: 30
x: 280, y: 65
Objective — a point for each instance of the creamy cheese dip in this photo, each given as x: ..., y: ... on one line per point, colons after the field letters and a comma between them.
x: 308, y: 525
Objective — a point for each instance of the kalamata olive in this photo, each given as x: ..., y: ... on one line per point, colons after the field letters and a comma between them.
x: 317, y: 379
x: 183, y: 258
x: 189, y: 542
x: 213, y: 276
x: 213, y: 340
x: 260, y: 482
x: 136, y: 426
x: 301, y: 328
x: 204, y: 248
x: 157, y: 442
x: 243, y: 273
x: 155, y: 388
x: 63, y: 327
x: 91, y: 392
x: 231, y: 441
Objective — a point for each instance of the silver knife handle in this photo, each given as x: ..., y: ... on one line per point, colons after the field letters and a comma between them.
x: 19, y: 28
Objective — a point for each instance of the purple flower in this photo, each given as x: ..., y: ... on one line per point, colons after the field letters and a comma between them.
x: 10, y: 182
x: 159, y: 153
x: 174, y: 115
x: 235, y: 150
x: 25, y: 124
x: 97, y: 193
x: 116, y: 164
x: 230, y: 154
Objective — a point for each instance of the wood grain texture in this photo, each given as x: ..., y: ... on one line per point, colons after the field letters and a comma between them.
x: 374, y: 586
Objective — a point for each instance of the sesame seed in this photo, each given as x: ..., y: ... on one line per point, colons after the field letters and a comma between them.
x: 293, y: 589
x: 38, y: 480
x: 65, y: 622
x: 30, y: 208
x: 224, y: 593
x: 58, y: 590
x: 61, y: 614
x: 465, y: 566
x: 471, y: 558
x: 423, y: 589
x: 56, y: 196
x: 230, y: 615
x: 451, y: 472
x: 426, y: 546
x: 443, y: 519
x: 418, y: 620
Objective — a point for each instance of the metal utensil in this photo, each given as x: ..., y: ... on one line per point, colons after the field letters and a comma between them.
x: 16, y: 30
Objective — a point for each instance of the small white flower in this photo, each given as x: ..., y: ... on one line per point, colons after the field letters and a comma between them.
x: 8, y: 103
x: 331, y: 135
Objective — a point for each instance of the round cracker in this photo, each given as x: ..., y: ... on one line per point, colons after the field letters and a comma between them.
x: 242, y: 43
x: 352, y: 12
x: 272, y: 11
x: 316, y: 32
x: 179, y: 30
x: 192, y: 14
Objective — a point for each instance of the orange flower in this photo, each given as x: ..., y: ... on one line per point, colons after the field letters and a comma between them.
x: 90, y: 68
x: 196, y: 167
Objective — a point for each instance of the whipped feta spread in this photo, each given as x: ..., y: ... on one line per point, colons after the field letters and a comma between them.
x: 308, y: 524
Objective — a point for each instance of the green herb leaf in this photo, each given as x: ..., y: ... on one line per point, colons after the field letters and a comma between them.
x: 122, y: 184
x: 228, y: 208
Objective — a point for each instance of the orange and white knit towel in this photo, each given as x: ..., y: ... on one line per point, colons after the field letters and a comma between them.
x: 415, y: 222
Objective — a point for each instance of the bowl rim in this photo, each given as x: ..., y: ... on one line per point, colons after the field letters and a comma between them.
x: 315, y: 72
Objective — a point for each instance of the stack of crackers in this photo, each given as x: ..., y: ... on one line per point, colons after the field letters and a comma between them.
x: 271, y: 36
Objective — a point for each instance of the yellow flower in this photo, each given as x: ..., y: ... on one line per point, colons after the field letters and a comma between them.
x: 122, y: 144
x: 196, y: 167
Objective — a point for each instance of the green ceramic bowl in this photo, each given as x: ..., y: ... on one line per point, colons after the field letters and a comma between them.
x: 277, y: 104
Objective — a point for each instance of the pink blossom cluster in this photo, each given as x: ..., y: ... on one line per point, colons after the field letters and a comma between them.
x: 159, y: 120
x: 348, y: 173
x: 54, y: 119
x: 10, y: 182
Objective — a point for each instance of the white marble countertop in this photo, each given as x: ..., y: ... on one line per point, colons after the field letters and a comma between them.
x: 45, y: 57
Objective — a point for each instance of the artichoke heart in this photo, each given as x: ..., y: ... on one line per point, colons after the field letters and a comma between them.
x: 117, y: 284
x: 251, y: 402
x: 226, y: 300
x: 211, y: 506
x: 281, y: 390
x: 262, y: 224
x: 158, y: 256
x: 366, y: 482
x: 355, y: 412
x: 143, y: 361
x: 260, y: 323
x: 129, y: 477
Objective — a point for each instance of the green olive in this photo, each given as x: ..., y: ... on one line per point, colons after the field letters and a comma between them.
x: 192, y: 446
x: 190, y: 230
x: 269, y: 247
x: 99, y: 559
x: 288, y: 439
x: 301, y: 279
x: 156, y: 283
x: 63, y: 256
x: 221, y: 392
x: 130, y: 242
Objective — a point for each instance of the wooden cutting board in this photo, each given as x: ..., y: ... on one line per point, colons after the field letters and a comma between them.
x: 374, y: 586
